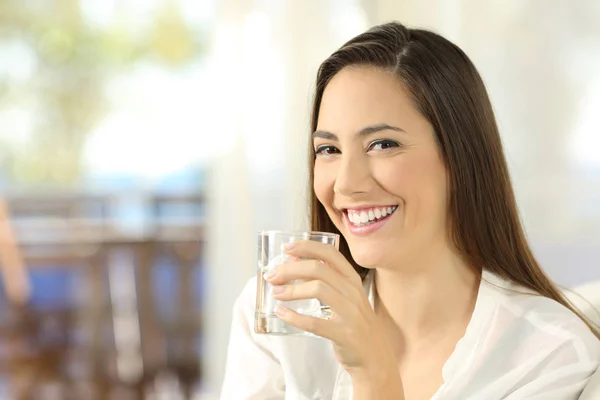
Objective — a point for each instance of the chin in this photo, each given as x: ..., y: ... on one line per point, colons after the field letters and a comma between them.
x: 366, y: 256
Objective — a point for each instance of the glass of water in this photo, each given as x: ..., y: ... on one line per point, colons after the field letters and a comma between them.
x: 271, y: 253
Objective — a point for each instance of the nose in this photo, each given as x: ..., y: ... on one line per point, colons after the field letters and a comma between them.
x: 353, y: 176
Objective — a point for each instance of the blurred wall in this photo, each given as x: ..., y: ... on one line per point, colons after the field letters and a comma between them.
x: 539, y: 61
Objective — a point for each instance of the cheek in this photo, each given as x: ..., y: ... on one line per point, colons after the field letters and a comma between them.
x: 428, y: 189
x: 420, y: 181
x: 430, y: 181
x: 394, y: 176
x: 323, y: 182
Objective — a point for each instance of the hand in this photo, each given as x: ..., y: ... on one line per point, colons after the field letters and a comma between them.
x: 360, y: 343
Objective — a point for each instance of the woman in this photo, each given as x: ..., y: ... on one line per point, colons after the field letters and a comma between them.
x: 434, y: 292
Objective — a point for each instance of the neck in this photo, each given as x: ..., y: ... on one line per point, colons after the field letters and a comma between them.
x: 422, y: 303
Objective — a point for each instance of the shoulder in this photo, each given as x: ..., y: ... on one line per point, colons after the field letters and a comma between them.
x: 521, y: 345
x: 541, y: 324
x: 246, y: 300
x: 243, y: 316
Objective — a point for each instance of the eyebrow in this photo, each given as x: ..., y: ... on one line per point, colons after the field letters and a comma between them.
x: 367, y: 130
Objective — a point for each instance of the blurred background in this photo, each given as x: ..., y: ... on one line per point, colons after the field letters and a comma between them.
x: 143, y: 143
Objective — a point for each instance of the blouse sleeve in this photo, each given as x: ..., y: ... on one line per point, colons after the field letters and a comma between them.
x: 562, y: 375
x: 252, y: 370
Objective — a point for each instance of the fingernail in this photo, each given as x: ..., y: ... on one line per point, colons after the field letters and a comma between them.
x: 268, y: 275
x: 289, y: 246
x: 278, y: 289
x: 280, y: 311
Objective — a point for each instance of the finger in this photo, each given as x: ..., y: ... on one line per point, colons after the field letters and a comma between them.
x: 307, y: 270
x: 315, y: 289
x: 318, y: 326
x: 324, y: 252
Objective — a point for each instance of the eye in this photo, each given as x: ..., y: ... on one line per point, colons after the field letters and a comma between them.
x: 384, y: 144
x: 326, y: 150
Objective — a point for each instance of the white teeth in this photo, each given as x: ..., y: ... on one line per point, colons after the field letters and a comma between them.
x: 364, y: 217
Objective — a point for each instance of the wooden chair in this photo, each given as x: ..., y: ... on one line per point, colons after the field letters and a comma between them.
x: 28, y: 359
x: 105, y: 360
x: 182, y: 242
x: 42, y: 349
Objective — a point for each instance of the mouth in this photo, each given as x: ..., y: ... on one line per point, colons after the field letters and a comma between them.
x: 366, y: 220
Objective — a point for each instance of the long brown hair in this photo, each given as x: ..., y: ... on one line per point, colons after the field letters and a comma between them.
x: 447, y: 89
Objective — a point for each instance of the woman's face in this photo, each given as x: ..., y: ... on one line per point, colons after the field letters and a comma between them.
x: 378, y: 171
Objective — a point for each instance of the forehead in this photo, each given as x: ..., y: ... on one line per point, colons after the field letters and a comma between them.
x: 360, y: 96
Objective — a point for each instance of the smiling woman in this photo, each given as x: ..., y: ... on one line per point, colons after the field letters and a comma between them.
x: 434, y: 291
x: 383, y: 166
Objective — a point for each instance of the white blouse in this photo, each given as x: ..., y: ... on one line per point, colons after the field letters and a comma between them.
x: 517, y: 346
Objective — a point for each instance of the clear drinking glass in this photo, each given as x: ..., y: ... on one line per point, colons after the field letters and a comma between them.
x: 271, y: 253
